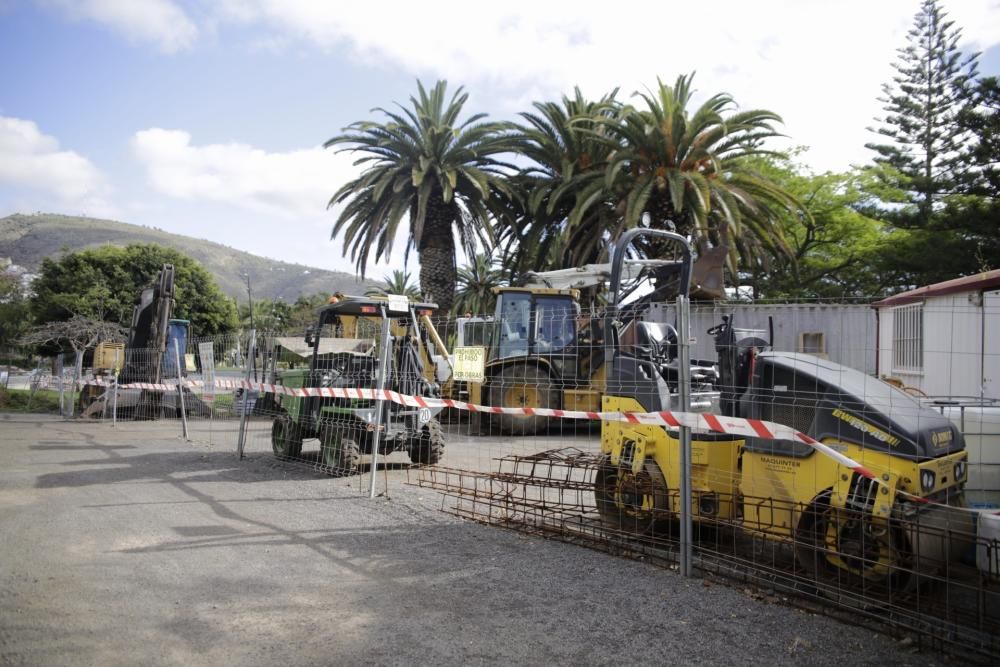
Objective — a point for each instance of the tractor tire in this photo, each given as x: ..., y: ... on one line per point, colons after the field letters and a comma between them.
x: 428, y: 447
x: 286, y: 439
x: 522, y: 386
x: 630, y: 503
x: 339, y: 452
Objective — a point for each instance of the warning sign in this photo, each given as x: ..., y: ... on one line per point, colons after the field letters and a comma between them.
x: 207, y: 353
x: 470, y: 363
x: 398, y: 303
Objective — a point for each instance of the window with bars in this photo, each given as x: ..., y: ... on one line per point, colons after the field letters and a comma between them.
x: 908, y: 338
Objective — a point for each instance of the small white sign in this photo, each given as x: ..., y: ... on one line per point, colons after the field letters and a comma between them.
x: 207, y: 353
x: 398, y: 303
x: 470, y: 364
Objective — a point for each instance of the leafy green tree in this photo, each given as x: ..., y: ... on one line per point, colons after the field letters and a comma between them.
x: 425, y: 166
x: 103, y: 284
x: 268, y: 315
x: 303, y: 311
x: 834, y: 246
x: 15, y: 316
x: 931, y: 90
x: 476, y: 281
x: 398, y: 282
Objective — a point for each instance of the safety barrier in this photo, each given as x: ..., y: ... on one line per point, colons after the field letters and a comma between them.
x: 537, y: 469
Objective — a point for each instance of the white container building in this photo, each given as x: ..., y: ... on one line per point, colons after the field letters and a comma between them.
x: 943, y: 341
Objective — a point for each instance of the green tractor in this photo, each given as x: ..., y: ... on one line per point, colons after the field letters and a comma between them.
x: 346, y: 346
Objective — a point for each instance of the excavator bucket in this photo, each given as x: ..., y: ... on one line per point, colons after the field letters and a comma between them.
x: 707, y: 281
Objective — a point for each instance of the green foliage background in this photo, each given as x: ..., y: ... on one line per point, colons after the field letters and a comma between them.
x: 103, y: 283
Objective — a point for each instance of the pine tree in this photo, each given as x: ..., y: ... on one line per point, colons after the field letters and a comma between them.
x: 933, y: 86
x: 983, y: 154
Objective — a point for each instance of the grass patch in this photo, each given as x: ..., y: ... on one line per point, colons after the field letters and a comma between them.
x: 224, y: 405
x: 44, y: 401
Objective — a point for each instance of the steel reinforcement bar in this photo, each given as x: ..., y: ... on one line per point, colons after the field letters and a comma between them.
x: 550, y: 494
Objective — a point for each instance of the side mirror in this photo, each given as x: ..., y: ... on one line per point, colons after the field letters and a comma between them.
x: 310, y: 336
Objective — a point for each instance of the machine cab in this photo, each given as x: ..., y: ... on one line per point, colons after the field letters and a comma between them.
x: 537, y: 323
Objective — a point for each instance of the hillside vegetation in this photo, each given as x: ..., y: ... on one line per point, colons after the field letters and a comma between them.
x: 27, y: 239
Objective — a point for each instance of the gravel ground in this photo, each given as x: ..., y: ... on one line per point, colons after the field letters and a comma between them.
x: 130, y: 546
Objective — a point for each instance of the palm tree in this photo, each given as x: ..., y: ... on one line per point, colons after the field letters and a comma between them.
x: 569, y: 146
x: 423, y: 166
x: 398, y: 282
x: 693, y: 170
x: 476, y: 281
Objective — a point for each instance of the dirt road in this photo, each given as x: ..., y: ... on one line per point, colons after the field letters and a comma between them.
x: 127, y: 545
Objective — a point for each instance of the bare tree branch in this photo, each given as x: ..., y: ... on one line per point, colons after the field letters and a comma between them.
x: 78, y: 332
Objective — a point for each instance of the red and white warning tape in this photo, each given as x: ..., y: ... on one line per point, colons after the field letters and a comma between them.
x: 697, y: 421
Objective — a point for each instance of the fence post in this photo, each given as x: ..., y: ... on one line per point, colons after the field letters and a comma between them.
x: 59, y: 374
x: 383, y: 365
x: 684, y: 395
x: 246, y: 395
x: 114, y: 400
x: 180, y: 389
x: 77, y: 376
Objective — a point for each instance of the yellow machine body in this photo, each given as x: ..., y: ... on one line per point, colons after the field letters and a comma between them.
x: 765, y: 492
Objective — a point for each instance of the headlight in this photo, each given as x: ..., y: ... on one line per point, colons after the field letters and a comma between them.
x: 927, y: 480
x: 961, y: 469
x: 326, y: 380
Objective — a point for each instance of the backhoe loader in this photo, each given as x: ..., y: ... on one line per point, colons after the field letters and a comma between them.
x: 543, y: 352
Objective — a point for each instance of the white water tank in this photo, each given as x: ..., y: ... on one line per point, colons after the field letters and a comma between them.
x: 988, y: 543
x: 979, y: 422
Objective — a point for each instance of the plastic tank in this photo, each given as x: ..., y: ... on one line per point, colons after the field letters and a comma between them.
x: 988, y: 544
x: 979, y: 421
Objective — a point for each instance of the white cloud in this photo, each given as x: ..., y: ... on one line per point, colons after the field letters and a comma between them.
x: 161, y: 22
x: 30, y: 159
x: 283, y: 191
x: 819, y: 64
x: 288, y: 184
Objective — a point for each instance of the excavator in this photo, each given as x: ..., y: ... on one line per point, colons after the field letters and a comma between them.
x: 149, y: 358
x: 905, y: 520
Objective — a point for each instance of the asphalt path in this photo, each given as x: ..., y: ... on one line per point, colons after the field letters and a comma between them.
x: 128, y: 545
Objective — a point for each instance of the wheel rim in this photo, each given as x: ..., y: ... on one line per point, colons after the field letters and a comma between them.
x: 633, y: 493
x: 628, y: 500
x: 521, y: 396
x: 852, y: 544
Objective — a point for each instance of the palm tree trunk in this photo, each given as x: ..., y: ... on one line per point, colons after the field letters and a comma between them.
x: 437, y: 256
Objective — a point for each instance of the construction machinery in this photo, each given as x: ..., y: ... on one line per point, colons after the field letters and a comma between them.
x: 840, y: 522
x: 346, y: 342
x: 149, y: 357
x: 543, y: 352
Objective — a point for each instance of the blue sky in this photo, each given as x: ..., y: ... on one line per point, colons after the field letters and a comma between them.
x: 206, y: 118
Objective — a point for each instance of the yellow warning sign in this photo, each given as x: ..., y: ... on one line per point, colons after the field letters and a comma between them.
x: 469, y: 364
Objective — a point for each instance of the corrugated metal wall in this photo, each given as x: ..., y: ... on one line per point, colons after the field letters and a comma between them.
x: 846, y: 332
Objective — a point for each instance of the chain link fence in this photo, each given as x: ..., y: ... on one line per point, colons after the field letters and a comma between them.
x: 839, y: 453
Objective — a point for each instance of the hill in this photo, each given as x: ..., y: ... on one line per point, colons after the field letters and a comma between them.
x: 28, y: 239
